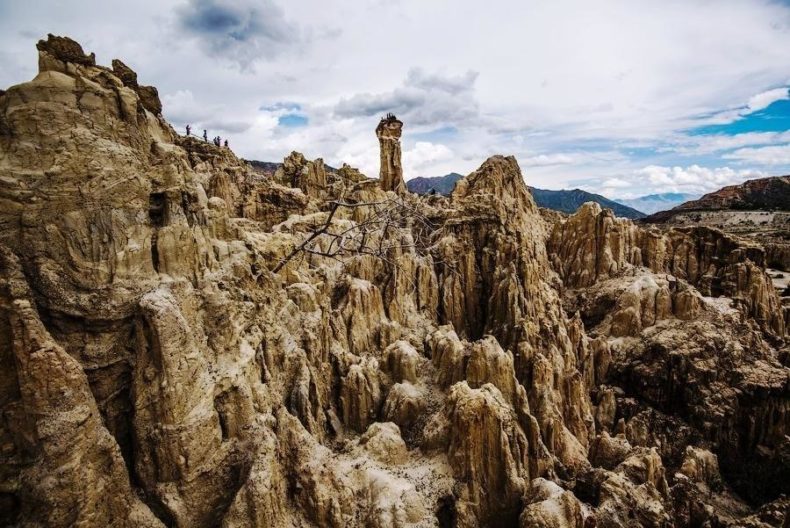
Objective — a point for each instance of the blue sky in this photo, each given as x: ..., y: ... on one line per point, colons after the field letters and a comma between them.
x: 773, y: 118
x: 621, y: 97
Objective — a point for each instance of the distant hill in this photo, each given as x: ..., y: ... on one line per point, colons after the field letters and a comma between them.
x: 566, y: 201
x: 772, y: 194
x: 652, y: 203
x: 264, y: 167
x: 270, y: 167
x: 441, y: 184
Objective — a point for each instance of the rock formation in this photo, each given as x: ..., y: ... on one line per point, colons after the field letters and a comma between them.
x: 183, y: 344
x: 757, y: 210
x: 759, y: 194
x: 391, y: 173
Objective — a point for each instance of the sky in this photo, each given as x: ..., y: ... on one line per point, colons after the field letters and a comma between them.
x: 621, y: 97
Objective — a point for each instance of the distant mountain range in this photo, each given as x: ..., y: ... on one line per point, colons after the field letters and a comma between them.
x: 566, y: 201
x: 270, y: 167
x: 652, y: 203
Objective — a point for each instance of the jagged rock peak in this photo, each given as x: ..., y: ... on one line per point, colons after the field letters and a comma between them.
x: 127, y: 75
x: 65, y: 49
x: 499, y: 178
x: 65, y: 55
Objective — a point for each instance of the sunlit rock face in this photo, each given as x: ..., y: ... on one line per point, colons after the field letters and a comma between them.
x: 186, y: 342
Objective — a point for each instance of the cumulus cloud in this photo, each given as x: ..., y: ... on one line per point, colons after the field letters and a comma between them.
x: 693, y: 179
x: 181, y: 108
x: 423, y: 99
x: 656, y: 179
x: 773, y: 155
x: 424, y: 155
x: 241, y: 30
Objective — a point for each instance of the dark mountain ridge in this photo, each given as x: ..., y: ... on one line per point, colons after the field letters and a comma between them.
x: 569, y: 200
x: 566, y: 201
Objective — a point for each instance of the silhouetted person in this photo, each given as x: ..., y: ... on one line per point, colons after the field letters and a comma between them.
x: 226, y: 143
x: 189, y: 130
x: 205, y: 135
x: 433, y: 192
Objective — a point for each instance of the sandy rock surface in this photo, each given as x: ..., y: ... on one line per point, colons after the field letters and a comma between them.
x: 188, y: 342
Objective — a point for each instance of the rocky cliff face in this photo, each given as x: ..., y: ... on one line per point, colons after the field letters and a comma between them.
x: 187, y: 342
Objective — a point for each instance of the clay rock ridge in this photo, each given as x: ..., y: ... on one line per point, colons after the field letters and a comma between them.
x: 170, y: 360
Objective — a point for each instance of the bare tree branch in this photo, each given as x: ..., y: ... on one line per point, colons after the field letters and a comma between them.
x: 372, y: 235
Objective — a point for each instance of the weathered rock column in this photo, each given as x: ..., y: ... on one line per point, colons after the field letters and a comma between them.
x: 391, y: 173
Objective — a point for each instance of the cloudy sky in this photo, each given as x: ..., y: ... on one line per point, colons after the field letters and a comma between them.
x: 623, y: 97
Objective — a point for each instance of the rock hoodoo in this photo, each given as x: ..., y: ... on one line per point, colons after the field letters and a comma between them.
x: 391, y: 173
x: 174, y: 352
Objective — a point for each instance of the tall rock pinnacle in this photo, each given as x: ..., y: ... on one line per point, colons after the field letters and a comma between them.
x: 391, y: 174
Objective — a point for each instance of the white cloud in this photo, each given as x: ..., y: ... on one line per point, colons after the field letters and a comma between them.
x: 754, y: 104
x: 617, y: 183
x: 655, y: 179
x: 423, y: 99
x: 423, y: 156
x: 774, y: 155
x: 180, y: 106
x: 698, y: 145
x: 765, y: 99
x: 692, y: 179
x: 545, y: 160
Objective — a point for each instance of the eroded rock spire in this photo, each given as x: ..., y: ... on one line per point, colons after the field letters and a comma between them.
x: 391, y: 173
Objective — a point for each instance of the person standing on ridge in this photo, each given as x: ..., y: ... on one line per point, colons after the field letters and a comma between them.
x: 205, y: 135
x: 189, y: 130
x: 226, y: 143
